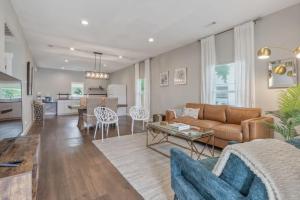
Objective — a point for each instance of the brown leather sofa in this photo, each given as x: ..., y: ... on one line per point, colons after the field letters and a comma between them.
x: 229, y: 123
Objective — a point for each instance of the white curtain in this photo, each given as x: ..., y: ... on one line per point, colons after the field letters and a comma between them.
x: 147, y: 85
x: 208, y: 62
x: 244, y: 61
x: 137, y: 84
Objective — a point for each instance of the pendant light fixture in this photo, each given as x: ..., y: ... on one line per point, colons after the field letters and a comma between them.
x: 96, y: 74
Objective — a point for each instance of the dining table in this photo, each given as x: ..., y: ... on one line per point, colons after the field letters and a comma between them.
x: 83, y: 110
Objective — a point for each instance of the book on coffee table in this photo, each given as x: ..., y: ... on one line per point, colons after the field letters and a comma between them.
x: 180, y: 126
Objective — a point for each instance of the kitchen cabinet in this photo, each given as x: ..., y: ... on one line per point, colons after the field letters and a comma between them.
x: 63, y: 106
x: 50, y: 108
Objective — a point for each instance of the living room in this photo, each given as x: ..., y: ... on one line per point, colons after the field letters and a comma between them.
x: 149, y: 100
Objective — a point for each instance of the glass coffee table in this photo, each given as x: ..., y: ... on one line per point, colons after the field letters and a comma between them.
x: 158, y: 133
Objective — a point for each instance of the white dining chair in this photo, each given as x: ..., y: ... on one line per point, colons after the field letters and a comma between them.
x: 105, y: 117
x: 138, y: 113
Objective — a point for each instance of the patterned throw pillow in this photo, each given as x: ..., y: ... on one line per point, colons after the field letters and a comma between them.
x: 178, y: 112
x: 191, y: 112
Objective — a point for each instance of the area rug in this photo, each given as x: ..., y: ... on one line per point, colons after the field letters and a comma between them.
x: 146, y: 170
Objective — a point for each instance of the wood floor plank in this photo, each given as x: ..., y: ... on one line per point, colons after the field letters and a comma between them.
x: 72, y: 168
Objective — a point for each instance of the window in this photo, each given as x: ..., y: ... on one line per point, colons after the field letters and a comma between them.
x: 77, y: 89
x: 10, y: 92
x: 141, y: 90
x: 225, y: 84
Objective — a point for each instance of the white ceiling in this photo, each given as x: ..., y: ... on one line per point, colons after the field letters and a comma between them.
x: 122, y: 27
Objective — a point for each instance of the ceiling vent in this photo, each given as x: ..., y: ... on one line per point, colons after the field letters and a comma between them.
x: 8, y: 31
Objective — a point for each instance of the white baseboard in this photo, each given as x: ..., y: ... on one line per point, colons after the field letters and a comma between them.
x: 26, y: 130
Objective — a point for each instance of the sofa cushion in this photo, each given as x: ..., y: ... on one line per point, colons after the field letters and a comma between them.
x: 215, y: 112
x: 229, y: 132
x: 197, y: 122
x: 197, y: 106
x: 236, y: 115
x: 205, y: 123
x: 185, y: 120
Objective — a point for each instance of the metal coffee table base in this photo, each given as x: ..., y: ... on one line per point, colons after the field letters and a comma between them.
x: 194, y: 150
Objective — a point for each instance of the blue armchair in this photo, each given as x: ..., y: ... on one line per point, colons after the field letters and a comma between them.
x: 295, y: 142
x: 193, y: 179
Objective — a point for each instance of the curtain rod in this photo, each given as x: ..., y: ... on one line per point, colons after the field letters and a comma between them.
x: 231, y: 28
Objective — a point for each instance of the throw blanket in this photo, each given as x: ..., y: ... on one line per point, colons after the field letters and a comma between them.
x: 275, y: 162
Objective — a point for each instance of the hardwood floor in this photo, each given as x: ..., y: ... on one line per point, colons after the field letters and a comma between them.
x: 71, y: 167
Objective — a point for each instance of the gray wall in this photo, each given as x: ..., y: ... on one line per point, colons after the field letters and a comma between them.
x: 163, y: 98
x: 279, y: 29
x: 49, y: 82
x: 22, y: 55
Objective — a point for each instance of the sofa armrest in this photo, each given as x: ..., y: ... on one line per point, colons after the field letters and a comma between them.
x: 191, y: 177
x: 257, y: 128
x: 170, y: 115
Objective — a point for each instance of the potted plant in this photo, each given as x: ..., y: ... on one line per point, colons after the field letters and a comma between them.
x: 288, y: 113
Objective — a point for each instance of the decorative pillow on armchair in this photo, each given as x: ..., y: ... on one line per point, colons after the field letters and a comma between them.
x: 191, y: 112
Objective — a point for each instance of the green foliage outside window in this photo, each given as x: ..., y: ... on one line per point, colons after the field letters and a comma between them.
x: 222, y: 72
x: 10, y: 93
x: 77, y: 89
x: 142, y: 85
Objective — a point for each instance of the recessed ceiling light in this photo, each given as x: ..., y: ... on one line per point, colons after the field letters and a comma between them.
x: 62, y: 68
x: 66, y: 60
x: 151, y: 40
x: 72, y: 48
x: 120, y: 57
x: 84, y: 22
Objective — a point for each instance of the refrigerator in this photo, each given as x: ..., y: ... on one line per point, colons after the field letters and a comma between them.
x: 119, y: 91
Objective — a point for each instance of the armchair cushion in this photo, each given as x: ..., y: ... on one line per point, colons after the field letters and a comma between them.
x: 194, y: 180
x: 295, y: 142
x: 237, y: 174
x: 200, y: 180
x: 257, y: 190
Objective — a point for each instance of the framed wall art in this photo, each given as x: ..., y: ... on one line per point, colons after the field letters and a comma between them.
x: 164, y: 78
x: 180, y: 76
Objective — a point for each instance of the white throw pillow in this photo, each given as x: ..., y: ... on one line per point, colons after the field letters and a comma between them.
x: 178, y: 112
x: 191, y: 112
